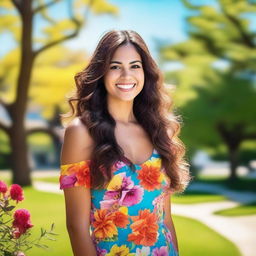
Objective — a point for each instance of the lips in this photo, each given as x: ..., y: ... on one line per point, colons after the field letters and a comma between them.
x: 126, y: 86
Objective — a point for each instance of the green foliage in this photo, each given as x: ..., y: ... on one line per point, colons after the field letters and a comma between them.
x: 4, y: 143
x: 17, y: 237
x: 241, y: 184
x: 194, y: 197
x: 45, y: 208
x: 247, y: 209
x: 39, y: 140
x: 216, y: 82
x: 59, y: 63
x: 216, y: 105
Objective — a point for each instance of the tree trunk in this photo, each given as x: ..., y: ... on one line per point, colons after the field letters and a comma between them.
x: 232, y: 138
x: 233, y: 161
x: 19, y: 156
x: 55, y: 122
x: 57, y: 151
x: 17, y: 110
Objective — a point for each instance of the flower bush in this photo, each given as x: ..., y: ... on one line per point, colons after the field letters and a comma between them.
x: 15, y: 227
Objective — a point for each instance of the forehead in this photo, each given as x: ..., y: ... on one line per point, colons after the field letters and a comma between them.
x: 126, y: 53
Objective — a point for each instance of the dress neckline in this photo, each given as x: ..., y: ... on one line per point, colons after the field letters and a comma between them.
x: 147, y: 160
x: 124, y: 160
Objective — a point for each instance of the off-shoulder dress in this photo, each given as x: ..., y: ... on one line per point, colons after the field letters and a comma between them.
x: 127, y: 217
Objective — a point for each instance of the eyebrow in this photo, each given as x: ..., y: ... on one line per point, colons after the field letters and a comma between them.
x: 118, y: 62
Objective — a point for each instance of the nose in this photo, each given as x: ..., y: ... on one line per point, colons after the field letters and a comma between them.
x: 125, y: 72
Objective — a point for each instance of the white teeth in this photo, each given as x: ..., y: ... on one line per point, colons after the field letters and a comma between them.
x: 125, y: 86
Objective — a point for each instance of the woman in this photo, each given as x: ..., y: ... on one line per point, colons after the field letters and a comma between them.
x: 121, y: 157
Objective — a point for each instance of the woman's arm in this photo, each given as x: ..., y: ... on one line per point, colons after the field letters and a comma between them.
x: 76, y: 147
x: 77, y: 201
x: 168, y: 220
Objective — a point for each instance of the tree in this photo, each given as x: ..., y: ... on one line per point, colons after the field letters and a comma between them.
x: 48, y: 96
x: 17, y: 18
x: 217, y: 81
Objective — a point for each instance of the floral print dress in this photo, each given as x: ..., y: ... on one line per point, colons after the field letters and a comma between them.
x: 127, y: 217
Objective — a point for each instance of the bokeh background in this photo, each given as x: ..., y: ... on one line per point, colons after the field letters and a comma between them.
x: 207, y: 53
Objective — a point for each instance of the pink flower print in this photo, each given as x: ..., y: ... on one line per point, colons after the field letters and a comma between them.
x: 101, y: 252
x: 119, y: 165
x: 109, y: 195
x: 109, y: 204
x: 110, y: 200
x: 67, y: 181
x: 127, y: 183
x: 144, y: 251
x: 132, y: 196
x: 126, y: 195
x: 158, y: 203
x: 162, y: 251
x: 167, y: 234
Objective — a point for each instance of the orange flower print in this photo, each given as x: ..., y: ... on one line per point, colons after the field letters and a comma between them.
x: 83, y: 176
x: 121, y: 219
x: 144, y: 228
x: 104, y: 224
x: 150, y: 177
x: 76, y: 174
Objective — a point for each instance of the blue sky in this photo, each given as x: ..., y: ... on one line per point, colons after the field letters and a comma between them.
x: 152, y: 19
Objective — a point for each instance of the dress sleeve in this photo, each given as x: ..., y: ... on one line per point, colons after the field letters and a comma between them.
x: 75, y: 174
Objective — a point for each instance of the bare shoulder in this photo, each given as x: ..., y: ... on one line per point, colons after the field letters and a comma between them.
x: 78, y: 144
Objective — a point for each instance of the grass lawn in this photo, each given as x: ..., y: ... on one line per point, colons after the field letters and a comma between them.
x: 46, y: 208
x: 54, y: 179
x: 192, y: 197
x: 194, y: 239
x: 246, y: 209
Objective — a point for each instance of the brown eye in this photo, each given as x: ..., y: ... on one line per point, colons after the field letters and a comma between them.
x: 135, y: 66
x: 114, y: 67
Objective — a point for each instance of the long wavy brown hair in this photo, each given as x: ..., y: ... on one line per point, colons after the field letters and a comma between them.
x: 152, y: 109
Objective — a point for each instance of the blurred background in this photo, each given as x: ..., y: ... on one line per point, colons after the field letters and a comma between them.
x: 207, y: 52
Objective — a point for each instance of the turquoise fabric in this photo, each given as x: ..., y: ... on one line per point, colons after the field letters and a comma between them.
x: 127, y: 217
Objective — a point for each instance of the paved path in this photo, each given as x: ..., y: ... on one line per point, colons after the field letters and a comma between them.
x: 47, y: 186
x: 239, y: 230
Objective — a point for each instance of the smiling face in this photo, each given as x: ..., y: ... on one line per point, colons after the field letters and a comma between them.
x: 124, y: 79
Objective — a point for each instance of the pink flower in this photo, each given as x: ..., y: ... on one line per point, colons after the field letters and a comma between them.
x: 127, y: 195
x: 109, y: 204
x: 19, y: 254
x: 67, y: 181
x: 162, y: 251
x: 16, y: 192
x: 101, y: 252
x: 127, y: 183
x: 168, y: 234
x: 3, y: 187
x: 132, y: 196
x: 118, y: 165
x: 22, y: 220
x: 16, y: 233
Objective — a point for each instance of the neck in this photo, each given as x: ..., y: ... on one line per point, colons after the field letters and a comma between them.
x: 121, y: 111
